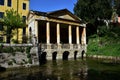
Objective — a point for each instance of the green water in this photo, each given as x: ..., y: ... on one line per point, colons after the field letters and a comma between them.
x: 66, y: 70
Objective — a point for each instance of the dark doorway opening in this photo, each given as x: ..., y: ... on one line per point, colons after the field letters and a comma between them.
x: 53, y: 32
x: 65, y: 55
x: 82, y: 54
x: 80, y: 32
x: 43, y: 59
x: 75, y: 55
x: 74, y: 35
x: 42, y: 32
x: 64, y: 33
x: 54, y: 55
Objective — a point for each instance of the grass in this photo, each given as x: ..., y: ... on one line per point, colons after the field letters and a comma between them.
x: 104, y: 46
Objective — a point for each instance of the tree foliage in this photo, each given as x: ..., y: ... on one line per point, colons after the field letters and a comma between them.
x: 97, y: 14
x: 90, y: 10
x: 117, y: 6
x: 12, y: 20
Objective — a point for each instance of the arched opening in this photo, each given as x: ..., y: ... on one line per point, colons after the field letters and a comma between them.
x: 43, y: 58
x: 65, y: 55
x: 54, y: 55
x: 75, y: 55
x: 82, y: 54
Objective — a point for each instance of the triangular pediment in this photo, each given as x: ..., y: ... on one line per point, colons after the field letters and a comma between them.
x: 30, y: 15
x: 64, y: 14
x: 59, y: 14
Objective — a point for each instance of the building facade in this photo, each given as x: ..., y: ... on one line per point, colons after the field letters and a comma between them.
x: 22, y: 7
x: 60, y: 34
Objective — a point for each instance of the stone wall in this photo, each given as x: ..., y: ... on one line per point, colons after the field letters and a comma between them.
x: 15, y: 55
x: 27, y: 54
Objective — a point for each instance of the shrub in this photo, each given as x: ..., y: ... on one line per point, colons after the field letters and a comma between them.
x: 10, y: 63
x: 30, y: 60
x: 24, y: 61
x: 8, y: 49
x: 28, y: 50
x: 28, y: 55
x: 1, y: 48
x: 20, y: 49
x: 14, y: 60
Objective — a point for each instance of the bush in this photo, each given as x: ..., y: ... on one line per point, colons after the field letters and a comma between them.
x: 8, y: 49
x: 28, y: 55
x: 20, y: 49
x: 30, y: 60
x: 1, y: 48
x: 10, y: 63
x: 14, y: 60
x: 24, y: 61
x: 28, y: 50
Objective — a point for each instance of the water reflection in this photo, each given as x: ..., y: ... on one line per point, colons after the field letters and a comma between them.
x: 65, y: 70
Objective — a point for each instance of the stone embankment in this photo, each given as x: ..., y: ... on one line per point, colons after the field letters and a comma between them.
x: 21, y: 55
x: 113, y: 58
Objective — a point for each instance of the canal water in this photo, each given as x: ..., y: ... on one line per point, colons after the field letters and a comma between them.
x: 89, y: 69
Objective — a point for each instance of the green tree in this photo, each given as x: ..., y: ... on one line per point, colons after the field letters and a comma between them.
x: 90, y: 10
x: 117, y: 6
x: 12, y: 21
x: 93, y: 12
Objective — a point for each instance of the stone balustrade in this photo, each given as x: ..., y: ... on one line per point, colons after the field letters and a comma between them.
x: 62, y: 46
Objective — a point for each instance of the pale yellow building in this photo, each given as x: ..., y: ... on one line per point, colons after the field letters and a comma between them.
x: 22, y: 7
x: 60, y: 33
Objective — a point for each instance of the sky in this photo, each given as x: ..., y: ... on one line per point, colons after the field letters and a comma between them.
x: 52, y: 5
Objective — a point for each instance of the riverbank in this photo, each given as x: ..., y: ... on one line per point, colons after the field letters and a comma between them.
x: 111, y: 58
x: 104, y: 46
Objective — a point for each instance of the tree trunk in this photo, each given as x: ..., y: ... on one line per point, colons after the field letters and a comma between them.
x: 17, y: 35
x: 9, y: 35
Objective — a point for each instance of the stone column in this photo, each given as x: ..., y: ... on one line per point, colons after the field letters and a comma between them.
x: 58, y: 36
x: 48, y: 32
x: 36, y: 32
x: 83, y: 39
x: 70, y: 34
x: 77, y: 35
x: 70, y: 37
x: 58, y: 33
x: 48, y: 35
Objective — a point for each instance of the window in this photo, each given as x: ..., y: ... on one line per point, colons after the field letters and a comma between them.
x: 24, y: 6
x: 1, y: 2
x: 24, y: 18
x: 1, y: 39
x: 24, y: 30
x: 1, y: 27
x: 1, y: 14
x: 9, y: 3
